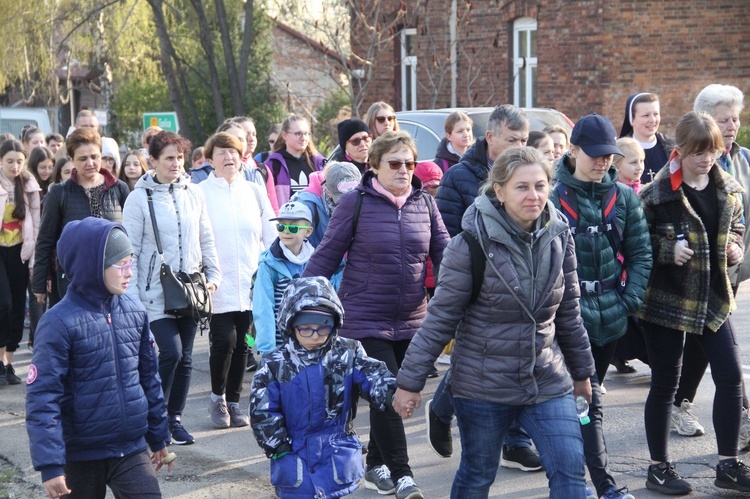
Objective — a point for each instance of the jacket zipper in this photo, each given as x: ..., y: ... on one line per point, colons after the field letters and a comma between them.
x: 117, y: 372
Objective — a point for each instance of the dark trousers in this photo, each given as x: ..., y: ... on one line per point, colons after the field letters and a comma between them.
x: 594, y: 444
x: 387, y: 436
x: 602, y: 358
x: 14, y: 278
x: 175, y: 338
x: 228, y: 353
x: 665, y: 348
x: 129, y: 477
x: 36, y: 310
x: 694, y: 364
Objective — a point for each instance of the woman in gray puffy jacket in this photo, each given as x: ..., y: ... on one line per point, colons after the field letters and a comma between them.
x: 521, y: 349
x: 188, y: 245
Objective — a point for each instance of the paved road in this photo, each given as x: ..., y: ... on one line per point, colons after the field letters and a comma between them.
x: 229, y: 464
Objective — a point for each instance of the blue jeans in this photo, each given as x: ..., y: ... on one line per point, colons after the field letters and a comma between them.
x: 442, y: 406
x: 175, y: 338
x: 553, y: 427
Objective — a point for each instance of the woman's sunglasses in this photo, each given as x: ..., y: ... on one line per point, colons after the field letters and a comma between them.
x: 292, y: 229
x: 395, y: 164
x: 356, y: 142
x: 381, y: 119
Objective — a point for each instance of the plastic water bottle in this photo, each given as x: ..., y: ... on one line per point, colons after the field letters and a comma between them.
x: 582, y: 409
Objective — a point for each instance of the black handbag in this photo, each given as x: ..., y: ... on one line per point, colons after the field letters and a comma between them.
x: 185, y: 295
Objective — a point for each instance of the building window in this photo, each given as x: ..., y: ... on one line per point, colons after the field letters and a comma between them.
x: 524, y: 62
x: 408, y: 69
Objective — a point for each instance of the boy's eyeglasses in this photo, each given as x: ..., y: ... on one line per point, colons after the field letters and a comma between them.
x: 291, y: 228
x: 307, y: 332
x: 382, y: 119
x: 356, y: 142
x: 395, y: 164
x: 126, y: 267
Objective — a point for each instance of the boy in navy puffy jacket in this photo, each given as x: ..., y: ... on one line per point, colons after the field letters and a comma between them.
x: 94, y: 402
x: 302, y: 393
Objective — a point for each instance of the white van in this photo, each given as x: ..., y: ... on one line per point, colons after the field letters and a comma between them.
x: 13, y: 119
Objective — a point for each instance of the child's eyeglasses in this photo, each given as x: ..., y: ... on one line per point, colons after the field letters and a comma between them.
x: 381, y: 119
x: 126, y: 267
x: 395, y: 164
x: 291, y: 228
x: 307, y: 332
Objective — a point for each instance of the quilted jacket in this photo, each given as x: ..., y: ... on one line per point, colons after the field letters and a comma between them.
x: 605, y: 314
x: 186, y: 234
x: 505, y: 352
x: 66, y: 202
x: 382, y: 289
x: 460, y: 186
x: 93, y: 390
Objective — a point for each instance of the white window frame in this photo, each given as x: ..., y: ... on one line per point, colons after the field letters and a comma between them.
x: 408, y: 64
x: 523, y: 26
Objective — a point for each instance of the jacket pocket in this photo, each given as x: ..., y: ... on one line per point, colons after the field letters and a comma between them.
x: 346, y: 460
x: 287, y: 471
x: 151, y: 265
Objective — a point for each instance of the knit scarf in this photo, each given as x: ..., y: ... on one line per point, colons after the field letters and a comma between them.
x: 304, y: 254
x: 399, y: 201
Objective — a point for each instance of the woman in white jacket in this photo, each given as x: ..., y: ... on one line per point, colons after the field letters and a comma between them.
x: 240, y: 214
x: 188, y: 245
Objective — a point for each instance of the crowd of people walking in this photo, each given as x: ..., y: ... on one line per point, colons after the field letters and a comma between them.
x: 531, y: 259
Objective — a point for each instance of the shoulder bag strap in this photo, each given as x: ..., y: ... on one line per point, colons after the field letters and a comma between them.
x: 149, y: 192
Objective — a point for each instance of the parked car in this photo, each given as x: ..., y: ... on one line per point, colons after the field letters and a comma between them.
x: 13, y: 119
x: 426, y: 127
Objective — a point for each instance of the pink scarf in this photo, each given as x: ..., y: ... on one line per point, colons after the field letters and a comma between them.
x: 399, y: 201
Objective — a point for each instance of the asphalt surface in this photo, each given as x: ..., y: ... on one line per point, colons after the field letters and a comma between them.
x: 229, y: 463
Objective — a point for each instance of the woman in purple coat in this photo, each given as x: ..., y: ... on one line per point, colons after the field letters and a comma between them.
x: 389, y: 227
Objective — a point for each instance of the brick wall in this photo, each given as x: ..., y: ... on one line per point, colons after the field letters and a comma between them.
x: 592, y: 54
x: 303, y: 78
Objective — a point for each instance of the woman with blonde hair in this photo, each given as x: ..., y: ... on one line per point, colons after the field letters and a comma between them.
x: 694, y: 214
x: 381, y: 118
x: 294, y: 158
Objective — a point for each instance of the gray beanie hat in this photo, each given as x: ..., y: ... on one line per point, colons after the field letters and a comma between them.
x: 117, y: 247
x: 341, y: 177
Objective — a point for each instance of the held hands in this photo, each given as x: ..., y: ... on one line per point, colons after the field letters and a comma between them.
x: 56, y: 487
x: 682, y: 253
x: 582, y: 389
x: 404, y: 403
x: 211, y: 287
x: 734, y: 254
x: 41, y: 297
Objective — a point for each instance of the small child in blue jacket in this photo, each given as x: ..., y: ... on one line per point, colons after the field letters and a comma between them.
x: 283, y: 261
x: 94, y: 403
x: 303, y: 391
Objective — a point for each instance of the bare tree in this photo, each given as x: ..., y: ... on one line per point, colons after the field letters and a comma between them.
x: 358, y: 33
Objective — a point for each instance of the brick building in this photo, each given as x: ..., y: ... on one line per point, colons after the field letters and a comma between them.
x: 304, y: 71
x: 577, y: 56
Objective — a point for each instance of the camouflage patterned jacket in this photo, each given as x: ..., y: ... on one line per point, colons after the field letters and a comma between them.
x: 300, y: 401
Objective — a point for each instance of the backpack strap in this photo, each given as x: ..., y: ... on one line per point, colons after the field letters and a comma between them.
x: 609, y: 216
x: 610, y: 225
x: 355, y: 219
x: 569, y: 205
x: 426, y: 198
x: 478, y: 262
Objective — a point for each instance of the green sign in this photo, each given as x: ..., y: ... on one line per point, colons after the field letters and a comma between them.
x: 166, y: 121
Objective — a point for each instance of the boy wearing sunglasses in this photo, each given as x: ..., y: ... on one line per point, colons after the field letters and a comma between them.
x: 303, y: 391
x: 94, y: 403
x: 283, y: 261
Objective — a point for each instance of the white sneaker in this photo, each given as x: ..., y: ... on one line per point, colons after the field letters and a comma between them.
x: 744, y: 430
x: 602, y: 389
x: 685, y: 422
